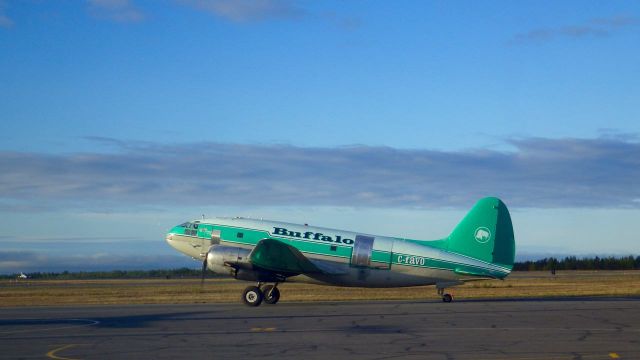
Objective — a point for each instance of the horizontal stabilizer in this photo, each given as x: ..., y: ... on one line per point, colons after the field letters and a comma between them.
x: 474, y: 273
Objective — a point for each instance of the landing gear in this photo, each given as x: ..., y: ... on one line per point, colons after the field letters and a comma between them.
x: 271, y: 294
x: 445, y: 297
x: 253, y: 295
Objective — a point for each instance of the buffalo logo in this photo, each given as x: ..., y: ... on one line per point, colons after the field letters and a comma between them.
x: 482, y: 235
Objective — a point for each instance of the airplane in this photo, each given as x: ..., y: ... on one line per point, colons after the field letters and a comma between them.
x: 22, y: 276
x: 481, y: 246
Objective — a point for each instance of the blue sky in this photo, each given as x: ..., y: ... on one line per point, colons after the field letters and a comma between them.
x: 120, y: 118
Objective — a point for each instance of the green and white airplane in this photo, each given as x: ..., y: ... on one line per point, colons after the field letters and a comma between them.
x: 481, y: 246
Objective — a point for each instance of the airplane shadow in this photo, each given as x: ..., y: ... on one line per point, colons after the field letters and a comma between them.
x: 552, y: 299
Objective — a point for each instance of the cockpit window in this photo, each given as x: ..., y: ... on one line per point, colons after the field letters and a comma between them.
x: 190, y: 228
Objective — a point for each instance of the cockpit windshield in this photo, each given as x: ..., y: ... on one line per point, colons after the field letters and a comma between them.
x: 190, y: 228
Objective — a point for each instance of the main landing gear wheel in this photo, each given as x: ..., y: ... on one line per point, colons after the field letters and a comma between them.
x: 252, y: 296
x: 271, y: 294
x: 447, y: 298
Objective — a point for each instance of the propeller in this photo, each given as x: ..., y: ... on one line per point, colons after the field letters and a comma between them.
x: 204, y: 270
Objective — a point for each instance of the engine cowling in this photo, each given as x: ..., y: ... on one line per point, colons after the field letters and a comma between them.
x: 227, y: 260
x: 234, y: 261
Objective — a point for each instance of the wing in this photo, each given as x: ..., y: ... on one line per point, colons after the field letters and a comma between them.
x: 276, y: 256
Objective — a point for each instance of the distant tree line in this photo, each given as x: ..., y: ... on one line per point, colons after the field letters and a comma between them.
x: 546, y: 264
x: 115, y: 274
x: 573, y: 263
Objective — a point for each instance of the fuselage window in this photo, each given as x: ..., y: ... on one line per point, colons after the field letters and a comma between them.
x: 334, y: 248
x: 240, y: 235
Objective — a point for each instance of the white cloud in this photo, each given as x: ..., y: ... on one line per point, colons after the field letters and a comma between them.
x: 116, y: 10
x: 540, y: 173
x: 249, y: 10
x: 5, y: 21
x: 594, y: 27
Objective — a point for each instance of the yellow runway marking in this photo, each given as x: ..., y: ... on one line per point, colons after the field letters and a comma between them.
x: 614, y: 355
x: 257, y: 329
x: 52, y: 354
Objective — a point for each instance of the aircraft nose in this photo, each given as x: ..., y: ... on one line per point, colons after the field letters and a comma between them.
x: 170, y: 241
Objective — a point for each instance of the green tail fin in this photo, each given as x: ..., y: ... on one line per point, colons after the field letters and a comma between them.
x: 485, y: 233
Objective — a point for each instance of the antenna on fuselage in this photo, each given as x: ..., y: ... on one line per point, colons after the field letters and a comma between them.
x: 202, y: 216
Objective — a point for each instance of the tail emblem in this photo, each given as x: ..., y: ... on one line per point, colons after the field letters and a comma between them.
x: 482, y: 235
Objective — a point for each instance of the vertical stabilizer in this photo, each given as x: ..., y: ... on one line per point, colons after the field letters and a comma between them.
x: 485, y: 233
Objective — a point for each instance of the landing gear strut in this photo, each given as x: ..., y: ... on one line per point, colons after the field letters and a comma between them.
x: 271, y: 294
x: 254, y: 295
x: 445, y: 296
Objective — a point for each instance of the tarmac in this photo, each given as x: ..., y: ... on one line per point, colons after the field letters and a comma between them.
x: 529, y: 329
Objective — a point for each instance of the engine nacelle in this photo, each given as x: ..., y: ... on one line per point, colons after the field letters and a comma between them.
x: 234, y: 261
x: 227, y: 259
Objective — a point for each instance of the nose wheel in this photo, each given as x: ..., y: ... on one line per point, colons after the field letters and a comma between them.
x: 254, y: 296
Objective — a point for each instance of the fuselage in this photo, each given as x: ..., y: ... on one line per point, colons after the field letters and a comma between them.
x: 350, y: 258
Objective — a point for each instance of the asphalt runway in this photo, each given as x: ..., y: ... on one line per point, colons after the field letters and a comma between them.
x: 595, y: 328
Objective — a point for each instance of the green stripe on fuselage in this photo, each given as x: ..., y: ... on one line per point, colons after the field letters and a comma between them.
x: 428, y: 262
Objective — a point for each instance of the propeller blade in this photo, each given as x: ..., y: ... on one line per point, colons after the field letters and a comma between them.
x: 204, y: 269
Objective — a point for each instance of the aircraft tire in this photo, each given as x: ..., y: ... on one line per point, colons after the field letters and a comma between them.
x: 275, y: 294
x: 252, y: 296
x: 447, y: 298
